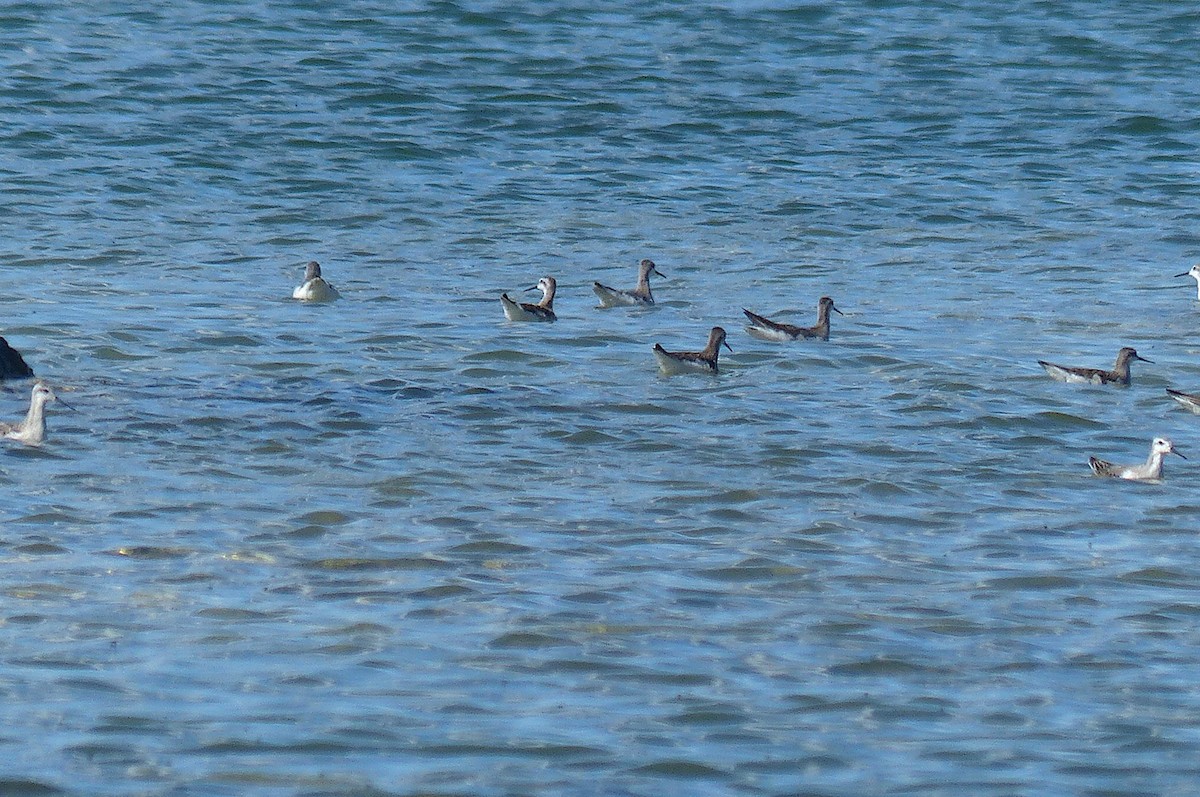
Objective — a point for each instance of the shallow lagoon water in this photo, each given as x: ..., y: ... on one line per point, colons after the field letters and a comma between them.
x: 397, y: 545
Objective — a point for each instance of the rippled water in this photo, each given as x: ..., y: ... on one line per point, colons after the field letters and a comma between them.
x: 398, y: 545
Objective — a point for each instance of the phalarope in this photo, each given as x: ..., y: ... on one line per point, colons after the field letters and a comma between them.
x: 1194, y: 273
x: 1152, y: 470
x: 1189, y: 400
x: 32, y: 430
x: 611, y: 297
x: 315, y: 288
x: 1119, y: 375
x: 766, y: 329
x: 523, y: 311
x: 12, y: 364
x: 684, y: 362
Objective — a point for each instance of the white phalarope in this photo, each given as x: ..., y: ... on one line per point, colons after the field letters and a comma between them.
x: 1189, y: 400
x: 1151, y: 470
x: 315, y: 288
x: 1194, y: 273
x: 32, y: 430
x: 12, y: 364
x: 766, y: 329
x: 690, y: 362
x: 611, y: 297
x: 523, y: 311
x: 1119, y: 375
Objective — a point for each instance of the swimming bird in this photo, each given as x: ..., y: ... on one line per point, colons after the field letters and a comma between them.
x: 1194, y: 273
x: 523, y: 311
x: 12, y: 364
x: 611, y: 297
x: 1189, y: 400
x: 766, y: 329
x: 683, y: 362
x: 315, y: 288
x: 1151, y: 470
x: 1119, y: 375
x: 32, y: 430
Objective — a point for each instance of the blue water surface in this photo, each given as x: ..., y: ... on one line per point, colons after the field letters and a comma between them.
x: 397, y: 545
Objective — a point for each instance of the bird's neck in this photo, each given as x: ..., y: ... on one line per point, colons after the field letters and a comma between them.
x: 35, y: 419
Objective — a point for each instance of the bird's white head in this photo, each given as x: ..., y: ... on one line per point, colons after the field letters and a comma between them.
x: 1162, y: 445
x: 43, y: 393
